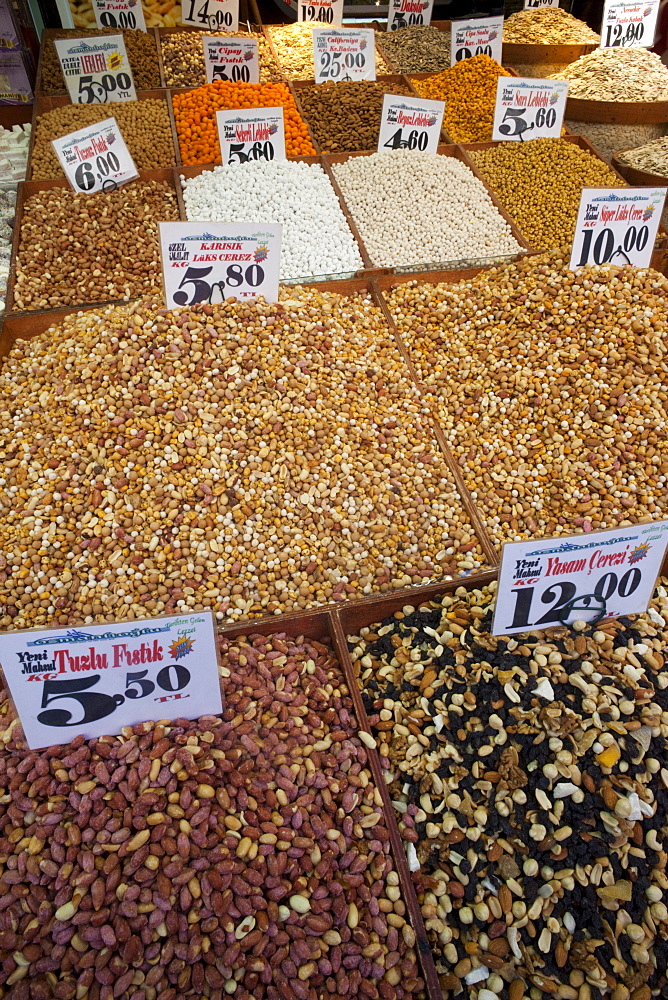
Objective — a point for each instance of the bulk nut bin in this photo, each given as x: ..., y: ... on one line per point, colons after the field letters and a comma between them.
x: 292, y: 45
x: 416, y: 48
x: 157, y: 13
x: 617, y: 98
x: 542, y: 41
x: 254, y: 853
x: 526, y: 776
x: 451, y: 217
x: 71, y: 249
x: 550, y: 400
x: 645, y: 165
x: 289, y: 463
x: 140, y: 46
x: 144, y: 124
x: 181, y: 55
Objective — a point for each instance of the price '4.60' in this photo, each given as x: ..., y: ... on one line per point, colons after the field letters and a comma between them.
x: 417, y: 139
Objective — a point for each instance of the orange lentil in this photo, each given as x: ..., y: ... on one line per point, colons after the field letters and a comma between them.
x: 469, y: 91
x: 195, y: 115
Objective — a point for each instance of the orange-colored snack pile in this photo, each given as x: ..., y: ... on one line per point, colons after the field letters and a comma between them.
x: 469, y: 91
x: 195, y: 114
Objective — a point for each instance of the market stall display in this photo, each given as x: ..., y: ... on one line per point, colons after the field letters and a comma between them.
x: 416, y: 48
x: 617, y: 97
x: 538, y: 42
x: 526, y: 775
x: 293, y: 47
x: 469, y: 90
x: 7, y: 207
x: 540, y: 184
x: 144, y: 125
x: 454, y: 219
x: 157, y: 13
x: 182, y: 56
x: 346, y: 116
x: 547, y: 385
x: 78, y: 248
x: 140, y: 46
x: 316, y: 238
x: 648, y: 164
x: 195, y: 117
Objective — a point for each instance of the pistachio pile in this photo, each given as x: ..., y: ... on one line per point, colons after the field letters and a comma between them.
x: 529, y: 782
x: 183, y: 57
x: 550, y: 386
x: 249, y: 457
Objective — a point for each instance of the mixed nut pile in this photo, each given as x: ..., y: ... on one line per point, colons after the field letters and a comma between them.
x: 529, y: 782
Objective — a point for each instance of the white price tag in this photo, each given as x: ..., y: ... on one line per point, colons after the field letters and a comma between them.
x: 96, y: 70
x: 402, y: 13
x: 617, y: 226
x: 632, y: 25
x: 211, y: 15
x: 480, y: 36
x: 232, y: 59
x: 344, y: 54
x: 529, y: 109
x: 119, y: 14
x: 321, y: 11
x: 533, y: 4
x: 92, y: 681
x: 207, y: 262
x: 549, y: 582
x: 95, y: 158
x: 410, y: 123
x: 247, y: 136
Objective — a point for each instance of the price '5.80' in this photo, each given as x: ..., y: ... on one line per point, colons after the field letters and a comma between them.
x: 203, y: 291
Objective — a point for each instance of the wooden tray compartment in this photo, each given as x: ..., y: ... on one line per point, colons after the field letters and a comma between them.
x: 50, y: 34
x: 268, y: 36
x: 425, y: 76
x: 25, y: 190
x: 161, y: 33
x: 633, y: 175
x: 617, y: 112
x: 44, y: 104
x: 522, y: 53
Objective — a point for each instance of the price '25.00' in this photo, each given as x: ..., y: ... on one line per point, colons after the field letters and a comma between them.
x: 332, y: 64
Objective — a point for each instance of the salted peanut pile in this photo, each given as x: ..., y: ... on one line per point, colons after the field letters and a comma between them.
x: 529, y: 784
x: 245, y: 855
x: 249, y: 457
x: 79, y: 248
x: 183, y: 57
x: 293, y: 45
x: 550, y: 385
x: 144, y: 125
x: 139, y: 45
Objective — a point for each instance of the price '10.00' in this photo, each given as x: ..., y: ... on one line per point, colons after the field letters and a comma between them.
x: 602, y: 249
x: 84, y: 175
x: 563, y: 597
x: 203, y: 291
x: 615, y: 34
x: 332, y: 64
x: 96, y: 705
x: 98, y: 93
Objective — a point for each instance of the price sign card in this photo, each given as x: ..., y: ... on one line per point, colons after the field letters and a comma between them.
x: 92, y: 681
x: 617, y: 226
x: 344, y: 54
x: 401, y: 13
x: 533, y: 4
x: 95, y: 158
x: 529, y: 109
x: 410, y: 123
x: 321, y: 11
x: 246, y: 136
x: 632, y: 25
x: 232, y: 59
x: 96, y: 70
x: 119, y: 14
x: 211, y: 15
x: 207, y: 262
x: 556, y: 581
x: 480, y: 36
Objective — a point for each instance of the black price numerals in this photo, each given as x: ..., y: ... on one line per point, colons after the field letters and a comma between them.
x: 563, y: 600
x: 237, y: 74
x: 202, y: 291
x: 258, y: 151
x: 332, y: 64
x: 518, y: 124
x: 125, y: 19
x: 323, y: 14
x: 98, y: 91
x: 217, y: 19
x: 417, y: 139
x: 602, y: 249
x: 94, y: 704
x: 402, y: 21
x: 615, y: 34
x: 480, y: 50
x: 84, y: 175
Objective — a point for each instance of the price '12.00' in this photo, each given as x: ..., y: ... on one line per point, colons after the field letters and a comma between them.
x: 563, y: 597
x: 323, y: 14
x: 615, y: 34
x: 203, y: 291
